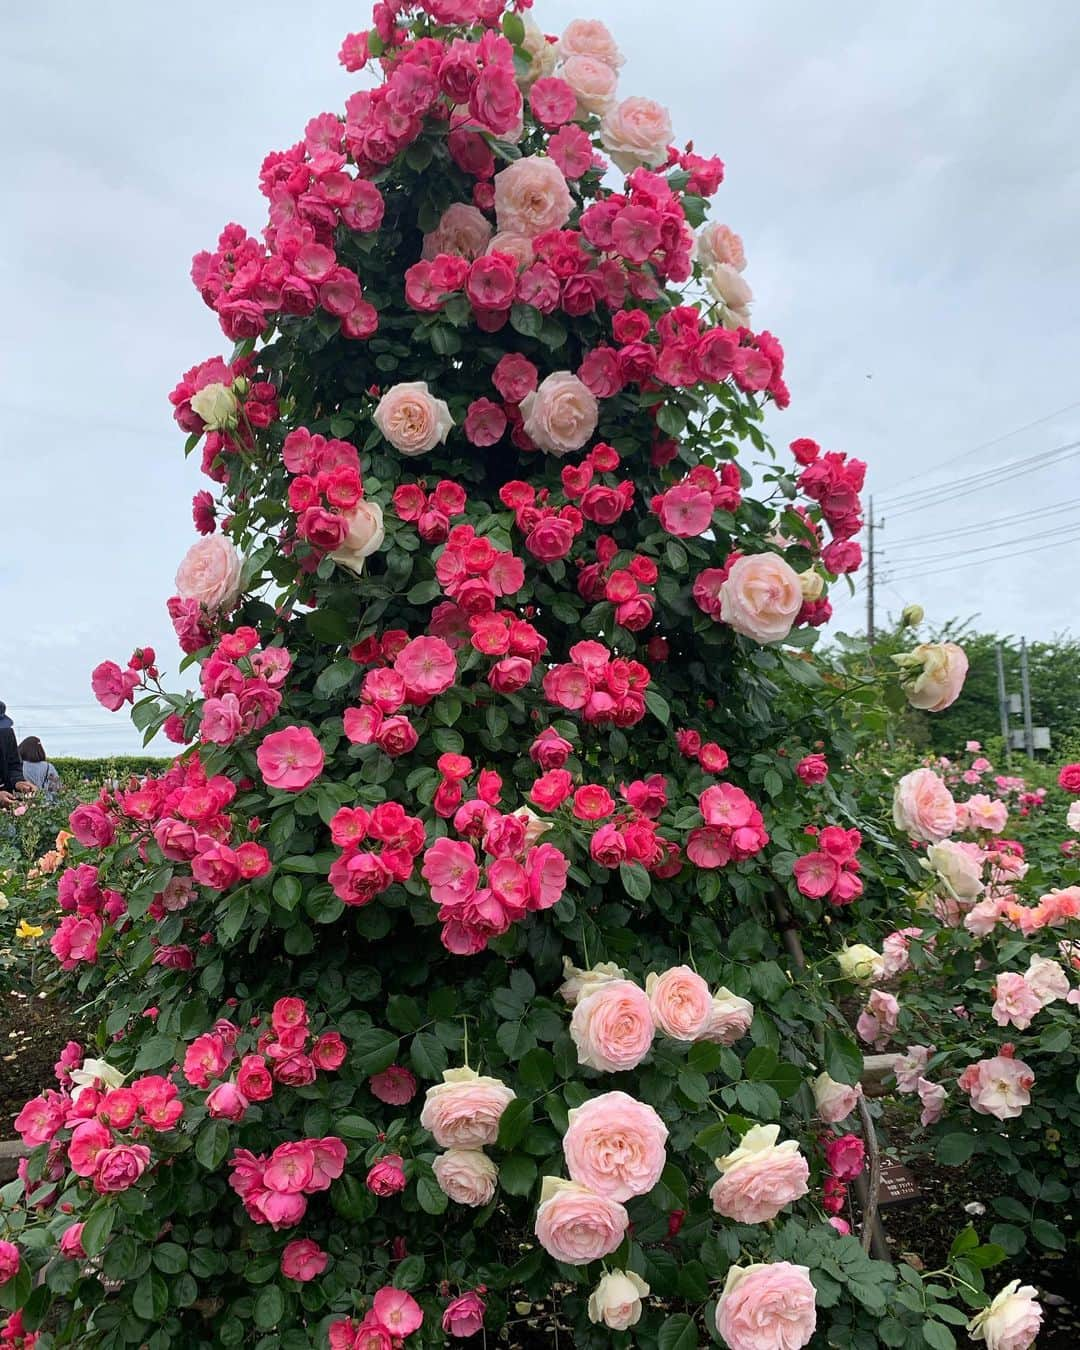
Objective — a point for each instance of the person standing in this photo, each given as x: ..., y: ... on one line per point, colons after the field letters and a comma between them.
x: 37, y: 770
x: 11, y: 771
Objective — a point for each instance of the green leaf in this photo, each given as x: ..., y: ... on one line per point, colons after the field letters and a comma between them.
x: 409, y: 1273
x: 517, y: 1174
x: 169, y: 1257
x: 657, y: 705
x: 843, y: 1059
x: 374, y: 1050
x: 636, y: 881
x: 336, y: 677
x: 151, y: 1297
x: 526, y: 320
x: 513, y: 1123
x: 155, y: 1051
x: 938, y: 1336
x: 955, y: 1149
x: 430, y: 1197
x: 1048, y: 1234
x: 423, y: 592
x: 428, y: 1055
x: 269, y: 1307
x: 1008, y: 1237
x: 514, y: 28
x: 212, y: 1144
x: 671, y: 420
x: 678, y: 1333
x: 537, y: 1069
x: 97, y: 1228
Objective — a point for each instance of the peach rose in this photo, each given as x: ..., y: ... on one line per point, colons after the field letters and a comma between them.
x: 466, y: 1175
x: 682, y: 1006
x: 615, y: 1146
x: 412, y: 419
x: 761, y: 597
x: 760, y: 1177
x: 210, y: 573
x: 767, y: 1307
x: 516, y: 246
x: 636, y: 132
x: 719, y: 244
x: 365, y: 536
x: 731, y: 1017
x: 923, y: 806
x: 834, y: 1101
x: 932, y: 675
x: 616, y: 1300
x: 1012, y: 1320
x: 612, y: 1027
x: 575, y: 1225
x: 593, y: 81
x: 531, y: 197
x: 561, y: 415
x: 463, y: 230
x: 578, y: 982
x: 463, y: 1111
x: 589, y: 37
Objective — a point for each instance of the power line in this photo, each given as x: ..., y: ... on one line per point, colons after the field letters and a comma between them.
x: 983, y: 562
x: 966, y: 487
x: 987, y: 548
x: 977, y: 527
x: 998, y: 469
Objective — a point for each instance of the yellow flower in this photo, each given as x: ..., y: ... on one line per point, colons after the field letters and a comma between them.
x: 26, y: 931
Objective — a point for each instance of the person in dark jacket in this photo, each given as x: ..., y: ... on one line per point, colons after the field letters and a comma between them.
x: 11, y: 770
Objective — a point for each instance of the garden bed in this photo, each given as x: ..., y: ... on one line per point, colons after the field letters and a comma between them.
x: 33, y: 1031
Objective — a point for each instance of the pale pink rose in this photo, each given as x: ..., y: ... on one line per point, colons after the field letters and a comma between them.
x: 593, y: 81
x: 463, y: 231
x: 894, y: 951
x: 532, y: 197
x: 616, y: 1301
x: 730, y: 1019
x: 463, y: 1111
x: 986, y: 813
x: 578, y: 982
x: 589, y: 37
x: 466, y: 1175
x: 561, y: 415
x: 365, y: 536
x: 682, y: 1006
x: 210, y: 573
x: 767, y: 1307
x: 1047, y: 980
x: 612, y: 1027
x: 959, y: 866
x: 760, y: 1177
x: 834, y: 1101
x: 729, y: 287
x: 412, y: 419
x: 516, y: 246
x: 636, y: 132
x: 982, y: 918
x: 932, y: 675
x: 1015, y: 1002
x: 575, y: 1225
x: 1012, y: 1320
x: 923, y: 806
x: 877, y: 1021
x: 615, y: 1146
x: 719, y: 244
x: 999, y: 1087
x: 932, y: 1096
x: 761, y: 597
x: 909, y: 1066
x: 1072, y: 817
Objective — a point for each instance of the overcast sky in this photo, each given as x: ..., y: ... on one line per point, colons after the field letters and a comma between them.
x: 905, y: 178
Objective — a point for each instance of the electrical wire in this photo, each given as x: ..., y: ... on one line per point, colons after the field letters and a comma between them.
x: 975, y: 482
x: 988, y: 548
x: 977, y: 527
x: 983, y: 562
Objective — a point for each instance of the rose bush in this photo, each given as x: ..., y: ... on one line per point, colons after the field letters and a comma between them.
x: 446, y: 967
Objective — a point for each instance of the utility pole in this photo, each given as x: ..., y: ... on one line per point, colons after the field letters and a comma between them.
x: 870, y: 578
x: 1003, y: 704
x: 1025, y: 693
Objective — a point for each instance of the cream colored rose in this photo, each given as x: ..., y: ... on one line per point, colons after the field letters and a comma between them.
x: 531, y: 197
x: 463, y: 1111
x: 932, y: 675
x: 365, y: 536
x: 616, y: 1300
x: 719, y: 244
x: 94, y: 1071
x: 761, y: 597
x: 729, y: 288
x: 811, y: 584
x: 1012, y: 1320
x: 593, y: 81
x: 535, y: 826
x: 467, y: 1176
x: 561, y: 415
x: 636, y: 132
x: 1047, y: 979
x: 543, y: 54
x: 834, y: 1101
x: 590, y: 37
x: 860, y: 963
x: 759, y: 1177
x: 959, y: 866
x: 217, y: 406
x: 412, y: 419
x: 731, y: 1017
x: 464, y: 230
x: 577, y: 983
x: 1072, y: 818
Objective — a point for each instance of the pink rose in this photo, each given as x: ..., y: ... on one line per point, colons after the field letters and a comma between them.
x: 933, y: 674
x: 464, y: 1315
x: 395, y: 1085
x: 767, y: 1307
x: 1012, y: 1320
x: 932, y: 1097
x: 877, y: 1021
x: 10, y: 1260
x: 412, y: 419
x: 589, y: 37
x: 119, y: 1168
x: 70, y: 1245
x: 303, y: 1260
x: 761, y: 597
x: 636, y: 132
x: 291, y: 759
x: 730, y: 1018
x: 1015, y: 1002
x: 561, y: 415
x: 463, y: 232
x: 686, y: 510
x: 834, y: 1101
x: 210, y: 573
x: 427, y: 665
x: 575, y: 1225
x: 760, y: 1177
x: 226, y: 1102
x: 845, y: 1156
x: 999, y: 1087
x: 463, y: 1111
x: 923, y: 806
x: 682, y: 1006
x: 387, y: 1176
x: 612, y: 1026
x: 593, y: 82
x: 467, y: 1176
x: 531, y: 197
x: 614, y: 1145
